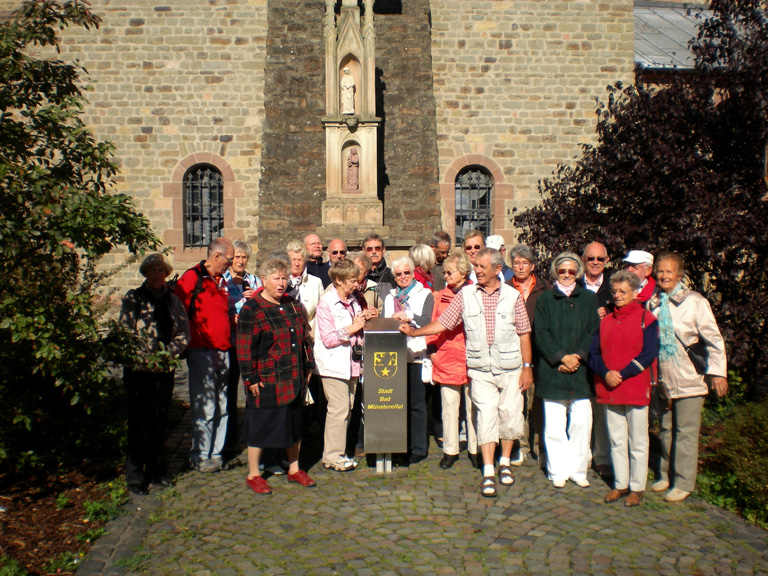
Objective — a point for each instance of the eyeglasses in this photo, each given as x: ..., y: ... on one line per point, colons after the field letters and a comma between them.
x: 598, y: 258
x: 229, y: 260
x: 620, y: 292
x: 337, y: 252
x: 521, y: 264
x: 568, y: 271
x: 475, y: 247
x: 373, y: 248
x: 399, y: 274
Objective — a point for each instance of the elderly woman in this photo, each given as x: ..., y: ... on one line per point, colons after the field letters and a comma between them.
x: 530, y: 286
x: 621, y: 356
x: 158, y: 318
x: 449, y: 366
x: 565, y: 323
x: 424, y: 260
x: 276, y: 362
x: 304, y: 288
x: 339, y: 357
x: 241, y: 285
x: 685, y: 320
x: 411, y: 303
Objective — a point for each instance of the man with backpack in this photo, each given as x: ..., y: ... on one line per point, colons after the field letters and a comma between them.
x: 203, y: 292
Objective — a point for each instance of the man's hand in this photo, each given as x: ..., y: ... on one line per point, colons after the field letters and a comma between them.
x: 720, y: 385
x: 407, y: 329
x: 526, y: 378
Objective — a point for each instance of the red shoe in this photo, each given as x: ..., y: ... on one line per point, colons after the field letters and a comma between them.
x: 258, y: 485
x: 302, y: 478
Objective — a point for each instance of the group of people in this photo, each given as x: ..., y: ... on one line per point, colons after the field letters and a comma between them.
x: 562, y: 370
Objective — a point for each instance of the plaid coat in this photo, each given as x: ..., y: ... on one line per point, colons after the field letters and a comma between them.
x: 273, y: 348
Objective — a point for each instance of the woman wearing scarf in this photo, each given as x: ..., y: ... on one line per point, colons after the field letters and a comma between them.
x: 685, y: 317
x: 159, y: 320
x: 410, y: 302
x: 622, y: 353
x: 424, y: 260
x: 566, y: 320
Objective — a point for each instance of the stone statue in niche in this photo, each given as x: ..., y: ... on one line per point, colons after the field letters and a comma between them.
x: 353, y: 168
x: 347, y: 93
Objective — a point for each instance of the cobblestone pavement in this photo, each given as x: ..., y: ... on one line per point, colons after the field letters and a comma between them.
x: 417, y: 520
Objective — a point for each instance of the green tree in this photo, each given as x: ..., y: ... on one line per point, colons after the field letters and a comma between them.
x: 60, y: 215
x: 682, y: 167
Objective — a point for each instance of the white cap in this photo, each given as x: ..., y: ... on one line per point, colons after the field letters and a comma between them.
x: 639, y: 257
x: 495, y: 242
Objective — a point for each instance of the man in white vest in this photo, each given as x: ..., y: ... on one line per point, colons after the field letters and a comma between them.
x: 498, y: 338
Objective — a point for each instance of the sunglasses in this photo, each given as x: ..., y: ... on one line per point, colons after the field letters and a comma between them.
x: 399, y: 274
x: 475, y: 247
x: 568, y: 271
x: 598, y: 258
x: 373, y: 248
x: 336, y: 252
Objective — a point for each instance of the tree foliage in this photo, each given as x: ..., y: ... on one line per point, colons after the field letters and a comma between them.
x: 59, y: 217
x: 682, y: 167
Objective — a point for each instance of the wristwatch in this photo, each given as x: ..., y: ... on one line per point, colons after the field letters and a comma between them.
x: 527, y: 365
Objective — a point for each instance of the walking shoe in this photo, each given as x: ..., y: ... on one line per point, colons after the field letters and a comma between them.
x: 676, y: 495
x: 614, y: 495
x: 581, y: 483
x: 633, y: 499
x: 660, y: 486
x: 558, y: 483
x: 258, y: 485
x: 474, y: 460
x: 302, y: 478
x: 519, y: 460
x: 343, y: 465
x: 448, y: 461
x: 209, y: 466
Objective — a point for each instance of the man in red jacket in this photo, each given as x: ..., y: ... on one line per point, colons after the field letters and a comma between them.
x: 204, y: 294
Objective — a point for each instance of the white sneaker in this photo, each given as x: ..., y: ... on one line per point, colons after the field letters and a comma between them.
x: 558, y: 483
x: 676, y: 495
x: 660, y: 486
x: 519, y: 460
x: 583, y: 483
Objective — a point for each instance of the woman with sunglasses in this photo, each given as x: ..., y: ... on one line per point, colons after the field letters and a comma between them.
x: 565, y: 323
x: 411, y: 303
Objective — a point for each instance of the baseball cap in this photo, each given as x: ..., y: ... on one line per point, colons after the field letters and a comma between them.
x: 495, y: 242
x: 639, y: 257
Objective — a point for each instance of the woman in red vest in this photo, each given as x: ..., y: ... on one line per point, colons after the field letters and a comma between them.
x: 622, y: 353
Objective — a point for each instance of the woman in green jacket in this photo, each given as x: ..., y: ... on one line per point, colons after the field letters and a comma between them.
x: 566, y: 320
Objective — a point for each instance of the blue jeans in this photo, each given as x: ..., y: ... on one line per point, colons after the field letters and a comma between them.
x: 208, y: 374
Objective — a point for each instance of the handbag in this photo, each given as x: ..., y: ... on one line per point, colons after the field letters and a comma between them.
x: 697, y: 353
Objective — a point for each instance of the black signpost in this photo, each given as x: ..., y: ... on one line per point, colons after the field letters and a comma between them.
x: 385, y: 392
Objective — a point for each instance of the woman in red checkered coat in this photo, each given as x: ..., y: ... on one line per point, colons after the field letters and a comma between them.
x: 276, y: 362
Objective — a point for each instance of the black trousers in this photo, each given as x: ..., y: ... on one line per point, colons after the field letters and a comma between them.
x: 149, y: 397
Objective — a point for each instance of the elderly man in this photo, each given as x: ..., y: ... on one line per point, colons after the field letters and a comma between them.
x: 497, y: 242
x: 315, y: 265
x: 530, y: 286
x: 640, y: 263
x: 374, y: 248
x: 203, y: 292
x: 441, y: 246
x: 473, y: 243
x: 499, y: 362
x: 337, y: 250
x: 595, y: 280
x: 595, y: 258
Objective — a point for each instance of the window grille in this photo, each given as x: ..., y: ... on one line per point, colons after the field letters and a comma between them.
x: 203, y: 206
x: 473, y: 203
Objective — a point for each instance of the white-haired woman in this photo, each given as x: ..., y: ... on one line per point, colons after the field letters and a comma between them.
x: 566, y: 320
x: 410, y: 302
x: 423, y: 260
x: 158, y: 318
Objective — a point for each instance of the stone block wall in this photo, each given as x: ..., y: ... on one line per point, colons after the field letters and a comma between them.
x: 172, y: 82
x: 515, y: 85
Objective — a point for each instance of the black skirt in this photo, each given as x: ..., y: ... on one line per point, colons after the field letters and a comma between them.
x: 273, y: 427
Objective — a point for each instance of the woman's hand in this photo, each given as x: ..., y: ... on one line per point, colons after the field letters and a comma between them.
x: 401, y: 316
x: 720, y: 385
x: 571, y: 362
x: 357, y: 323
x: 254, y: 388
x: 371, y: 313
x: 248, y: 293
x: 613, y: 379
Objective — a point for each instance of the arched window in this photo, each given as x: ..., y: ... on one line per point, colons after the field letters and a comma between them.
x: 203, y: 205
x: 474, y: 187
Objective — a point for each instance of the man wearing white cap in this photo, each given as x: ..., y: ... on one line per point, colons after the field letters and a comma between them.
x: 640, y: 263
x: 497, y: 242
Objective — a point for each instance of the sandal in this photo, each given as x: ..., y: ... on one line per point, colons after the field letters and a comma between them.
x: 488, y: 487
x: 506, y: 478
x: 343, y: 465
